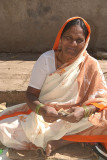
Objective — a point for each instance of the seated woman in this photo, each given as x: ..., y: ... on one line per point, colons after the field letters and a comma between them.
x: 66, y: 98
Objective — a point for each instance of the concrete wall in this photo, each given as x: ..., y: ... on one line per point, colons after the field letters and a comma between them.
x: 32, y: 25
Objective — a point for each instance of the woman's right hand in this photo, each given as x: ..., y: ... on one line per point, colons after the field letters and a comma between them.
x: 49, y: 114
x: 75, y: 115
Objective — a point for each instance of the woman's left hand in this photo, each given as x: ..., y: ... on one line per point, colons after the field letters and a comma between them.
x: 76, y: 114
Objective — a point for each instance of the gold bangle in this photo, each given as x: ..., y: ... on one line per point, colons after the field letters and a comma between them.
x: 38, y: 106
x: 86, y: 111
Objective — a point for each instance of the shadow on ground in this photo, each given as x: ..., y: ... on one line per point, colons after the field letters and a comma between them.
x: 19, y: 56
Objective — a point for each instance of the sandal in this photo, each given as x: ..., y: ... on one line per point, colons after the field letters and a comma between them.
x: 100, y: 150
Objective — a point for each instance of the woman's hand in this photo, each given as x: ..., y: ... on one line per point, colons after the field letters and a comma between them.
x: 76, y: 114
x: 49, y: 114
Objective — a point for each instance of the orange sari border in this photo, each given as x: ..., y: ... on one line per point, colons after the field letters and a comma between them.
x: 15, y: 114
x: 83, y: 138
x: 100, y: 106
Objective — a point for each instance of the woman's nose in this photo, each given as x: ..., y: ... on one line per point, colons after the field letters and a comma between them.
x: 74, y: 43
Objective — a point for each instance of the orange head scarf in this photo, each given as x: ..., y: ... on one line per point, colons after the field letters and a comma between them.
x: 56, y: 44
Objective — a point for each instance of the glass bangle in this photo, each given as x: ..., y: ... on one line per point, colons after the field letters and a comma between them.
x: 86, y: 111
x: 38, y: 107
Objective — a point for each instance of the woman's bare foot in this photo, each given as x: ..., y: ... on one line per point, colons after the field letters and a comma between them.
x: 56, y: 144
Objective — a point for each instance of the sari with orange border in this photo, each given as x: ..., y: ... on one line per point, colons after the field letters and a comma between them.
x: 76, y: 83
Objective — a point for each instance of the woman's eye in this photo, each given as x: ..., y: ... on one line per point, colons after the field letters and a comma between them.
x: 79, y: 40
x: 68, y: 38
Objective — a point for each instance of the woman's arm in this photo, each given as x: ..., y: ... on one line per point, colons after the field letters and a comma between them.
x: 32, y: 95
x: 77, y: 113
x: 49, y: 113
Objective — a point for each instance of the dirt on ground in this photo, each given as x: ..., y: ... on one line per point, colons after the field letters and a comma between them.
x: 74, y: 151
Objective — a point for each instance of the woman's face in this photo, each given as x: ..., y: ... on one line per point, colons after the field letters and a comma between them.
x: 73, y: 41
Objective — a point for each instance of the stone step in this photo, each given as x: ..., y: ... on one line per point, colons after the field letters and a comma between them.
x: 14, y: 79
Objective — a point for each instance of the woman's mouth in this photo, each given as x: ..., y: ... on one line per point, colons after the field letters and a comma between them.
x: 71, y: 49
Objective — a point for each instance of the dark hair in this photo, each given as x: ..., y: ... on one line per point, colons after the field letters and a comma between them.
x: 76, y: 22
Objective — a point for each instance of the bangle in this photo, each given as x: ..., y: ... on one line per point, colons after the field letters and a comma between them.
x: 86, y: 110
x: 38, y: 106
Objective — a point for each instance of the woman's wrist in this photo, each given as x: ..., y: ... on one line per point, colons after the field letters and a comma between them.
x: 38, y: 106
x: 89, y: 110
